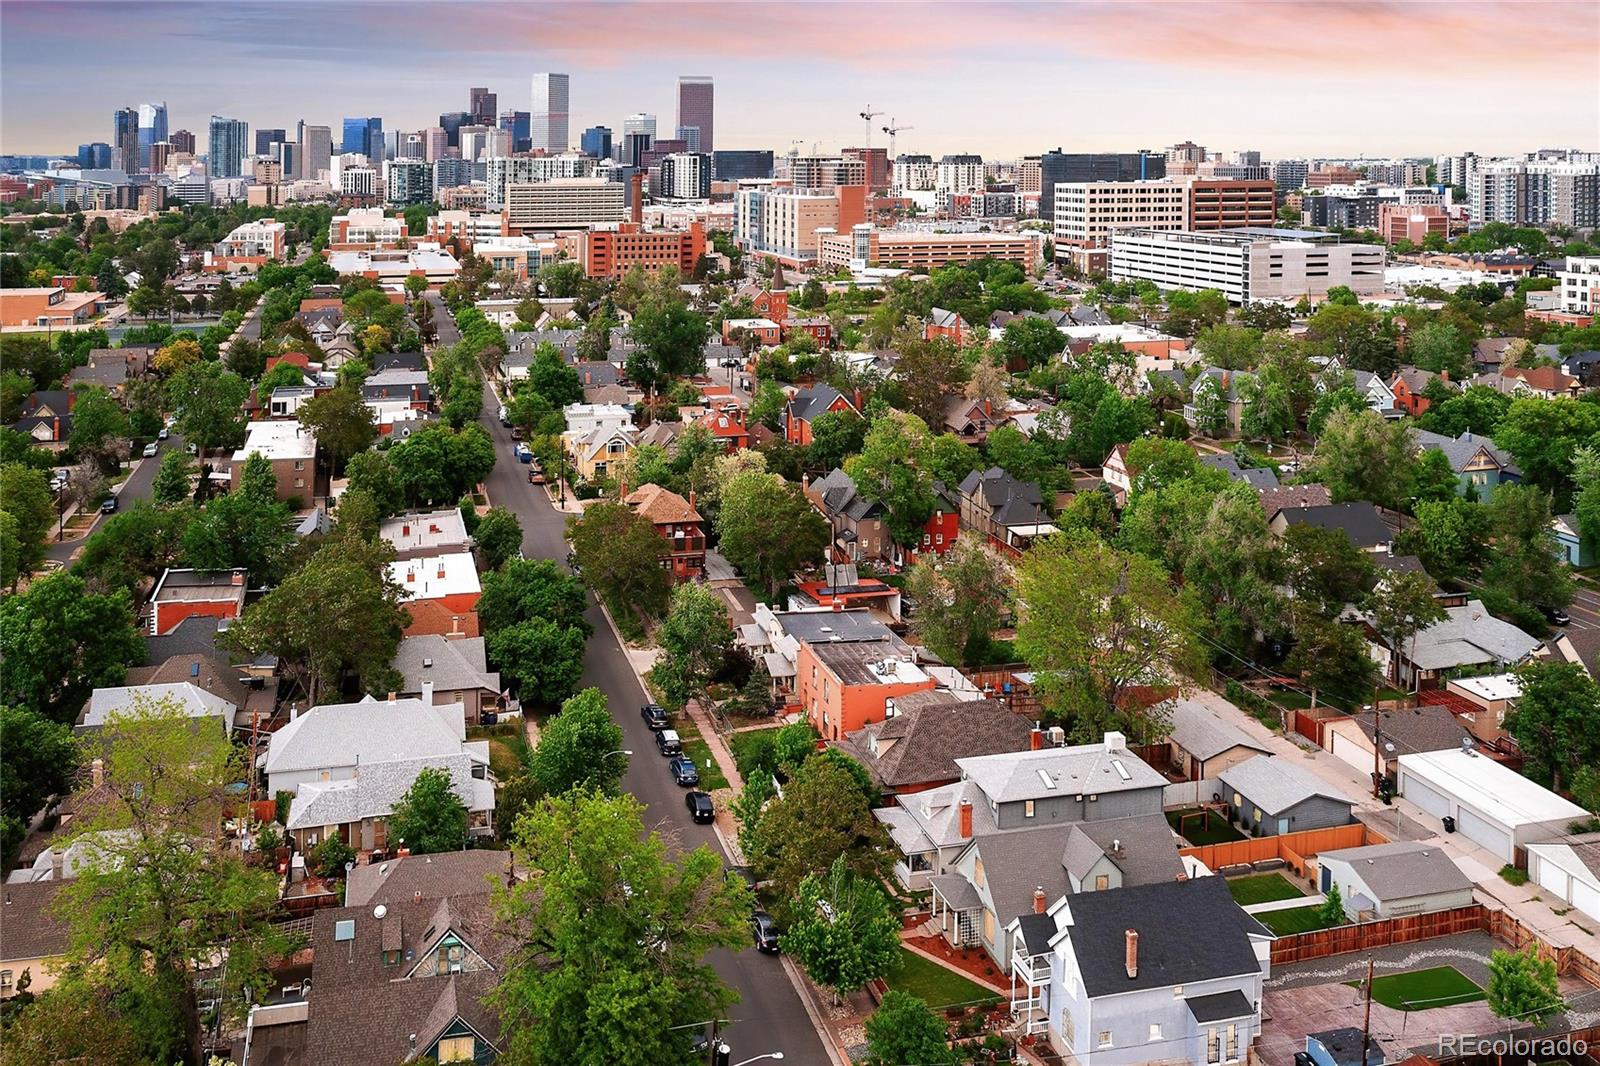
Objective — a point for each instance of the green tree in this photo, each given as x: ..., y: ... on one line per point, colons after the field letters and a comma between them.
x: 133, y: 545
x: 1401, y: 607
x: 1441, y: 347
x: 1525, y: 565
x: 893, y: 468
x: 40, y: 759
x: 165, y: 891
x: 1095, y: 621
x: 1432, y: 478
x: 1556, y: 720
x: 1332, y: 658
x: 1477, y: 409
x: 1324, y: 570
x: 1331, y: 913
x: 60, y: 642
x: 1031, y: 343
x: 430, y: 817
x: 823, y: 815
x: 208, y: 402
x: 768, y: 528
x: 1543, y: 436
x: 372, y: 473
x: 959, y: 600
x: 620, y: 553
x: 239, y: 530
x: 950, y: 459
x: 844, y: 932
x: 1451, y: 537
x: 439, y: 465
x: 905, y: 1029
x: 99, y: 427
x: 580, y: 748
x: 612, y: 934
x: 337, y: 613
x: 551, y: 377
x: 544, y: 659
x: 1229, y: 347
x: 535, y: 588
x: 767, y: 405
x: 342, y: 423
x: 1523, y: 987
x: 73, y: 1023
x: 285, y: 375
x: 929, y: 371
x: 498, y: 536
x: 835, y: 436
x: 170, y: 486
x: 25, y: 495
x: 671, y: 337
x: 1354, y: 335
x: 1362, y: 456
x: 695, y: 641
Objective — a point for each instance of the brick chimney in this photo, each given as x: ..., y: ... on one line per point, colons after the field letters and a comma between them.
x: 1130, y: 952
x: 97, y: 772
x: 1038, y: 900
x: 238, y: 577
x: 1036, y: 739
x: 966, y: 819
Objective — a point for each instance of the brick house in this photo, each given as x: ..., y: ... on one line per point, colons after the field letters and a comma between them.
x: 679, y: 524
x: 1407, y: 386
x: 181, y: 594
x: 807, y: 404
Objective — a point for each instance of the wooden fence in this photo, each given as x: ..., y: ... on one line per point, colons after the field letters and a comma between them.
x: 1292, y: 848
x: 1301, y: 947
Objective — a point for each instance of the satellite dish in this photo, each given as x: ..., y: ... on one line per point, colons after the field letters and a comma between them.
x: 379, y: 911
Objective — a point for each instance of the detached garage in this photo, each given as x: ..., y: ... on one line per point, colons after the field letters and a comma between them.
x: 1495, y: 808
x: 1570, y: 871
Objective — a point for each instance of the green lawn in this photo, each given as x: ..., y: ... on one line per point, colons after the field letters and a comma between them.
x: 934, y: 984
x: 1440, y: 986
x: 1294, y: 920
x: 1213, y: 828
x: 1262, y: 888
x: 711, y: 775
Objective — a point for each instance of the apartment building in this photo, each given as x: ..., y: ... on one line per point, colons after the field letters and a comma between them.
x: 292, y: 451
x: 1088, y: 212
x: 527, y: 170
x: 866, y: 245
x: 783, y: 223
x: 1225, y: 203
x: 612, y: 250
x: 1057, y: 166
x: 365, y: 227
x: 565, y: 203
x: 1522, y: 193
x: 1398, y: 173
x: 826, y: 171
x: 1247, y: 265
x: 1289, y: 174
x: 915, y: 173
x: 1580, y: 285
x: 251, y: 245
x: 685, y: 176
x: 1402, y: 222
x: 1326, y: 174
x: 958, y: 174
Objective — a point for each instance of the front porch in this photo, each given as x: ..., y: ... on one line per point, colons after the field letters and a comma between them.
x: 956, y: 910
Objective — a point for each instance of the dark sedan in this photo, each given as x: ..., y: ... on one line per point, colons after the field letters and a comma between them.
x: 764, y: 931
x: 701, y: 809
x: 655, y: 716
x: 684, y: 771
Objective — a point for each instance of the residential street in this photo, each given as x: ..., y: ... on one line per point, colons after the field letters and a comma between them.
x: 773, y: 1016
x: 136, y: 487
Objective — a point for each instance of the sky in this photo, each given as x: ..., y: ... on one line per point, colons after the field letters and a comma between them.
x: 1287, y: 78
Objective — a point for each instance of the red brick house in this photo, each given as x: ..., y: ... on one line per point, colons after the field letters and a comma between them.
x: 817, y: 325
x: 1407, y: 386
x: 947, y: 324
x: 729, y: 425
x: 806, y: 405
x: 767, y: 304
x: 679, y: 524
x: 181, y: 594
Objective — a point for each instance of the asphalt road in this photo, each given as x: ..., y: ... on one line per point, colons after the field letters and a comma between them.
x: 769, y: 1015
x: 135, y: 487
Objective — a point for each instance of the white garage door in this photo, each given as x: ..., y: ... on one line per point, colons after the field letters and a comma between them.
x: 1485, y: 834
x: 1352, y: 753
x: 1586, y: 898
x: 1425, y: 797
x: 1551, y: 878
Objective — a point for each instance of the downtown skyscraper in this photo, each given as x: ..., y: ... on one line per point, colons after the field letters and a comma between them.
x: 125, y: 140
x: 695, y: 107
x: 552, y: 102
x: 226, y: 149
x: 152, y: 129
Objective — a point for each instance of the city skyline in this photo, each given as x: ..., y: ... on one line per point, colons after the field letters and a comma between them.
x: 1226, y: 75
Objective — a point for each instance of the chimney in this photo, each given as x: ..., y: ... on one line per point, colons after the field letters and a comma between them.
x: 392, y: 697
x: 416, y: 897
x: 427, y: 693
x: 966, y: 819
x: 1038, y: 900
x: 1130, y: 953
x: 691, y: 499
x: 238, y: 577
x: 1036, y: 739
x: 402, y: 851
x: 58, y: 864
x: 97, y: 772
x: 294, y: 711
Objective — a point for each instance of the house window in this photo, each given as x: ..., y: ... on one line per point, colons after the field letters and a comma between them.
x: 988, y: 925
x: 1066, y: 1028
x: 299, y: 482
x: 5, y: 980
x: 977, y: 872
x: 1027, y: 808
x: 1177, y: 991
x: 456, y: 1049
x: 1102, y: 882
x: 1233, y: 1042
x: 1213, y: 1046
x: 299, y: 464
x: 1105, y: 1038
x: 1155, y: 1031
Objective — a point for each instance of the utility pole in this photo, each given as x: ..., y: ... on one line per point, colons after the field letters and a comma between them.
x: 1366, y: 1020
x: 1377, y: 746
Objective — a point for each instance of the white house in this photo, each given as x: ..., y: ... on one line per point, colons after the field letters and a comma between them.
x: 1490, y: 805
x: 1570, y: 871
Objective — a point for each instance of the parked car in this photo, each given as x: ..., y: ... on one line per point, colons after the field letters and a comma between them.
x: 504, y: 420
x: 655, y: 716
x: 163, y: 433
x: 1559, y: 617
x: 151, y: 449
x: 108, y: 505
x: 669, y: 743
x: 523, y: 453
x: 535, y: 475
x: 684, y: 772
x: 701, y: 809
x: 764, y: 931
x: 516, y: 432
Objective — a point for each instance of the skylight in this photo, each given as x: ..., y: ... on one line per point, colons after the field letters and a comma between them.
x: 1049, y: 782
x: 1122, y: 771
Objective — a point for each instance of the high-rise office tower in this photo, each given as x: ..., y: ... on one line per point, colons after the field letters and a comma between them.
x: 290, y: 159
x: 596, y: 142
x: 552, y: 102
x: 639, y: 122
x: 183, y: 141
x: 434, y: 143
x: 517, y: 123
x: 316, y: 150
x: 125, y: 139
x: 265, y: 139
x: 160, y: 152
x: 695, y: 99
x: 225, y: 150
x: 452, y: 121
x: 634, y: 147
x: 94, y: 156
x: 1057, y: 166
x: 152, y: 128
x: 364, y: 135
x: 483, y: 105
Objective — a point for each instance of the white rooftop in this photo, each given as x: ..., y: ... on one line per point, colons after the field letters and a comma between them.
x: 432, y: 577
x: 277, y: 439
x: 750, y: 323
x: 1480, y: 782
x: 420, y: 530
x: 1118, y: 331
x: 1491, y: 687
x: 372, y: 731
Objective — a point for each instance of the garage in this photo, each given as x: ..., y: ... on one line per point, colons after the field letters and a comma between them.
x: 1424, y: 797
x: 1570, y: 871
x: 1483, y: 833
x: 1357, y: 755
x: 1549, y: 876
x: 1494, y: 807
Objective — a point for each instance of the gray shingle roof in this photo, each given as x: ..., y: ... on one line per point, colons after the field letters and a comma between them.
x: 381, y: 786
x: 1274, y: 784
x: 1203, y: 733
x: 195, y: 701
x: 450, y: 873
x: 1359, y: 520
x: 342, y: 734
x: 449, y: 664
x: 923, y: 741
x: 1078, y: 770
x: 1403, y: 869
x: 1219, y: 1006
x: 1470, y: 636
x: 31, y: 931
x: 1142, y: 847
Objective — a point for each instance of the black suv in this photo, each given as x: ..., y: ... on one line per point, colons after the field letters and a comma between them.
x: 668, y: 743
x: 764, y: 931
x: 701, y: 809
x: 684, y: 771
x: 655, y: 716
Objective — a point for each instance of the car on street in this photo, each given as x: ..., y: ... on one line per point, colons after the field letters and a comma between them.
x: 1558, y: 617
x: 516, y: 432
x: 669, y: 743
x: 764, y: 931
x: 684, y: 772
x: 701, y: 809
x: 194, y: 449
x: 108, y: 505
x: 163, y: 433
x: 151, y: 449
x: 535, y: 475
x: 655, y: 716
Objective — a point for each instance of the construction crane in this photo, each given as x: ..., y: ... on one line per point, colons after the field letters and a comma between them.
x: 867, y: 116
x: 891, y: 129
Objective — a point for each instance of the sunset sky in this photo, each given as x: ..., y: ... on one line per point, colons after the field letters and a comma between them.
x: 1286, y: 78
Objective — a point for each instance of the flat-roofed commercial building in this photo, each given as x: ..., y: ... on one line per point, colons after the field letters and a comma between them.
x: 1221, y: 203
x: 866, y: 245
x: 611, y: 251
x: 1247, y: 265
x: 566, y: 203
x: 782, y: 223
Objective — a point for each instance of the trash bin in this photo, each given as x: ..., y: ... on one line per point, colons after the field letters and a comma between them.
x: 1449, y: 824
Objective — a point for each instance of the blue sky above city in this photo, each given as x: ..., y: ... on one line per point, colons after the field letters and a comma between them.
x: 1000, y: 79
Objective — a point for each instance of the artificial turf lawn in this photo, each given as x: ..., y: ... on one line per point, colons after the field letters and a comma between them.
x: 1261, y: 888
x: 1212, y: 829
x: 1294, y: 920
x: 1440, y: 986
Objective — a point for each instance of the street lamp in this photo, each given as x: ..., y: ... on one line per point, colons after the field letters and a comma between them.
x: 619, y: 751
